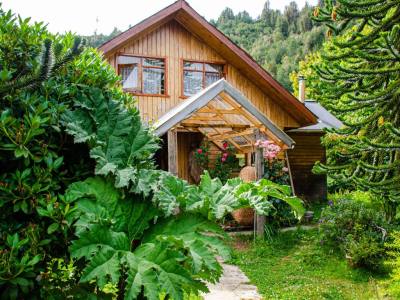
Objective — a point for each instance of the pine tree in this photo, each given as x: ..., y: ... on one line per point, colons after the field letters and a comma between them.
x: 360, y: 80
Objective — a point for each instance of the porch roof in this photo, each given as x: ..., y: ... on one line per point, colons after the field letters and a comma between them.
x: 222, y: 113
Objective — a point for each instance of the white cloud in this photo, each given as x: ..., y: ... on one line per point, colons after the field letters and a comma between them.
x: 80, y: 15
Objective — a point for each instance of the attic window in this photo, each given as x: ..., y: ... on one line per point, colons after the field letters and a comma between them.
x: 142, y: 75
x: 199, y: 75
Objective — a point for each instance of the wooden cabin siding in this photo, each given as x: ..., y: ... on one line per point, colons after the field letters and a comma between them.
x: 302, y: 158
x: 174, y: 43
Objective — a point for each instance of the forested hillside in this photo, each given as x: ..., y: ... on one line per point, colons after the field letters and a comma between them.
x: 277, y: 40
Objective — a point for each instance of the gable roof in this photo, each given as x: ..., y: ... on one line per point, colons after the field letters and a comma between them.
x: 192, y: 105
x: 184, y: 14
x: 325, y: 119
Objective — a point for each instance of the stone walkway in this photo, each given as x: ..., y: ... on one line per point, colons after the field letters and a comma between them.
x: 233, y: 285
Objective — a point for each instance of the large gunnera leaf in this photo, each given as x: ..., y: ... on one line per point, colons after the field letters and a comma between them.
x: 125, y: 238
x: 118, y: 141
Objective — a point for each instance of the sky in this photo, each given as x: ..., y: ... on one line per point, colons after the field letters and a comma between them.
x: 87, y: 16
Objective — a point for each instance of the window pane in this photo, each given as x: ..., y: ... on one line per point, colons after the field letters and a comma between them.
x: 214, y: 68
x: 212, y: 77
x: 192, y: 82
x: 152, y: 62
x: 126, y: 60
x: 153, y: 81
x: 193, y: 65
x: 130, y: 78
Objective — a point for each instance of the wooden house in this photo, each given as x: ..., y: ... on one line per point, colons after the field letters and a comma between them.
x: 191, y: 81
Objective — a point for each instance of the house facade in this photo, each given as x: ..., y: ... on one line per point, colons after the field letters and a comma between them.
x: 191, y: 82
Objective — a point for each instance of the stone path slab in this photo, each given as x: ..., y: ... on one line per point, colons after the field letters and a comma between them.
x: 233, y: 285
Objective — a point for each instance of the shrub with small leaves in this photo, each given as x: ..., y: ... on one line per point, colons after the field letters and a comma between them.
x: 358, y: 230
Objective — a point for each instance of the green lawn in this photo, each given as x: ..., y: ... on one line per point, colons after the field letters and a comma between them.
x: 296, y: 266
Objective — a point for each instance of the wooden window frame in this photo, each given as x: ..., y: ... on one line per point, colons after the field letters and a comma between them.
x: 203, y: 71
x: 140, y: 73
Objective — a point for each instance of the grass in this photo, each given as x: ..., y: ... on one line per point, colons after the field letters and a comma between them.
x: 294, y: 265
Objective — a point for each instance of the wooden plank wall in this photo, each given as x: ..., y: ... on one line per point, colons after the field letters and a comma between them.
x: 302, y: 158
x: 185, y: 141
x: 173, y: 42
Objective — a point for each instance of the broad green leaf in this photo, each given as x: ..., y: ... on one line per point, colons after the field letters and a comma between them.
x: 53, y: 227
x: 119, y: 142
x: 98, y: 237
x: 103, y: 267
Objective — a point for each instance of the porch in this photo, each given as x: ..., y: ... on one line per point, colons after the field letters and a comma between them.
x: 219, y: 114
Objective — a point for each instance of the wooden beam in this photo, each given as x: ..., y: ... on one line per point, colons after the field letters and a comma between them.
x: 259, y: 165
x: 217, y: 110
x: 224, y: 136
x: 173, y: 152
x: 252, y: 110
x: 290, y: 173
x: 239, y: 126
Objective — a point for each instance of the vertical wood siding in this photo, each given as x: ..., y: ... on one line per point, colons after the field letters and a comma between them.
x: 173, y: 42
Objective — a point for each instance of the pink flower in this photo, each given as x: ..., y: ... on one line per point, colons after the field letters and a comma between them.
x: 225, y: 145
x: 225, y: 155
x: 270, y: 149
x: 284, y: 169
x: 200, y: 151
x: 223, y: 159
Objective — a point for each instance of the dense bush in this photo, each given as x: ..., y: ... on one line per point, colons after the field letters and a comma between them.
x: 84, y: 213
x: 357, y: 229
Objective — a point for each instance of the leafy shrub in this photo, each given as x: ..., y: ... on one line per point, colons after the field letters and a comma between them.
x: 357, y: 229
x: 276, y: 171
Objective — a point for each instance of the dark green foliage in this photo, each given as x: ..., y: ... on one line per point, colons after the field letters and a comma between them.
x: 359, y: 80
x: 32, y: 151
x: 277, y: 41
x: 357, y: 229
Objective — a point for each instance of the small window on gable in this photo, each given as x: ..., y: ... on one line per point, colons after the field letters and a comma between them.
x: 199, y: 75
x: 142, y: 75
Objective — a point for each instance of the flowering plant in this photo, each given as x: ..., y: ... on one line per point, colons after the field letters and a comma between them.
x: 270, y: 149
x: 276, y: 171
x: 201, y: 155
x: 225, y: 163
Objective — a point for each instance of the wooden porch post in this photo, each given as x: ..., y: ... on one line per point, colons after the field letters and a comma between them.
x: 259, y: 165
x: 290, y: 172
x: 173, y: 152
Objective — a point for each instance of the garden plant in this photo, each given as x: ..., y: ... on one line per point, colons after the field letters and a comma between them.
x: 85, y: 213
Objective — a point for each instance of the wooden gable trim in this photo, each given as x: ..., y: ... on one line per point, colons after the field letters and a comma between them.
x: 184, y: 14
x: 147, y: 25
x: 200, y: 100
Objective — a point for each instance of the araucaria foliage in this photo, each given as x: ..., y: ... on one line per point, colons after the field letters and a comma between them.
x: 360, y: 80
x: 84, y: 213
